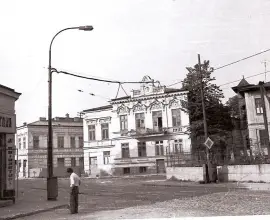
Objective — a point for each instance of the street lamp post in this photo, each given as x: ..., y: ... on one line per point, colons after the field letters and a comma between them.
x: 52, y: 191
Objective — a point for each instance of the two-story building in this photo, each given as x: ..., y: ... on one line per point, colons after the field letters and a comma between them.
x: 8, y: 97
x: 32, y: 140
x: 134, y: 133
x: 254, y: 110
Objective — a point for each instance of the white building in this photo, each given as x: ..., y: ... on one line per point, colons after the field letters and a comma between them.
x: 254, y: 109
x: 67, y: 146
x: 133, y: 133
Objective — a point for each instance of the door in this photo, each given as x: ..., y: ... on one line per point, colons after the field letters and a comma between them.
x: 93, y: 169
x: 24, y: 168
x: 160, y: 166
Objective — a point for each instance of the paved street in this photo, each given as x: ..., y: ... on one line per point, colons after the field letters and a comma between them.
x: 128, y: 198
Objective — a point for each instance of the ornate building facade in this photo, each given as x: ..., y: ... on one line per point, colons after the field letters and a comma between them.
x: 134, y: 134
x: 67, y: 146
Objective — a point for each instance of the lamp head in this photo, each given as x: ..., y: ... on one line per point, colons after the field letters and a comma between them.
x: 86, y: 28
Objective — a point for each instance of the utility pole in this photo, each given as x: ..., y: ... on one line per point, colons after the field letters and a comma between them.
x: 265, y: 69
x: 262, y: 90
x: 204, y: 120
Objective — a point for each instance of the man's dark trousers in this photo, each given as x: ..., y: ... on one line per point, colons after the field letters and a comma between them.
x: 74, y: 199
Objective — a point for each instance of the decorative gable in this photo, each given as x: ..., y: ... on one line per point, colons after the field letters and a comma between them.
x: 139, y: 107
x: 122, y: 109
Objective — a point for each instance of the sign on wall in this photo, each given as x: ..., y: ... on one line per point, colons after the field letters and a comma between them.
x: 10, y: 163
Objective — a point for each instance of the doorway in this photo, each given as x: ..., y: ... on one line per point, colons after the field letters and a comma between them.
x: 160, y: 163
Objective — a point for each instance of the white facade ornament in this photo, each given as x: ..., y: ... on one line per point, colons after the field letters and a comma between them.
x: 175, y: 103
x: 139, y: 107
x: 156, y: 105
x: 91, y: 121
x: 105, y: 120
x: 122, y: 109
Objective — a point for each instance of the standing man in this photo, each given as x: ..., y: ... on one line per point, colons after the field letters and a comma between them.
x: 74, y: 191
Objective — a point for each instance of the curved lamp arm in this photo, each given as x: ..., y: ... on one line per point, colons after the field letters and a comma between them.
x: 83, y: 28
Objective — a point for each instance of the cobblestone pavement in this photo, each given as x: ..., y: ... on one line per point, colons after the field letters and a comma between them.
x: 128, y: 198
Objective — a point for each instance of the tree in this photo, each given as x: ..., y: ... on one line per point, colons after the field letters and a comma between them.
x: 217, y: 115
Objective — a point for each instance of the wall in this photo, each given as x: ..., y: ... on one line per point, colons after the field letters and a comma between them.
x: 57, y: 171
x: 242, y: 173
x: 185, y: 173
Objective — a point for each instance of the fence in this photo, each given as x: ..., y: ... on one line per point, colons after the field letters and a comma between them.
x: 197, y: 159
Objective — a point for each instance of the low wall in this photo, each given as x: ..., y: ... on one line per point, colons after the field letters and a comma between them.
x: 185, y: 173
x: 242, y: 173
x: 57, y: 171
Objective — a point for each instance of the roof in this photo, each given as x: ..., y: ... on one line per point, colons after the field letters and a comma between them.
x: 105, y: 107
x: 9, y: 89
x: 167, y: 90
x: 250, y: 87
x: 243, y: 82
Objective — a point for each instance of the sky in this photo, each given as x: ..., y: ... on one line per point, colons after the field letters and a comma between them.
x: 131, y: 39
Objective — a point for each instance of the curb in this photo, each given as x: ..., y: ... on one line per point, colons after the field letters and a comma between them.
x: 21, y: 215
x: 5, y: 203
x: 202, y: 185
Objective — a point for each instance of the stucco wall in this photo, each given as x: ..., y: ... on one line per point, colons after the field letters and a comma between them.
x: 242, y: 173
x: 185, y: 173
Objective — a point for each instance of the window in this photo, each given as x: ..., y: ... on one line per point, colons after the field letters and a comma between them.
x: 157, y: 120
x: 60, y: 141
x: 60, y: 162
x: 141, y: 149
x: 36, y: 142
x: 19, y: 143
x: 81, y: 162
x: 72, y: 142
x: 139, y: 119
x: 73, y: 161
x: 263, y: 137
x: 105, y: 131
x: 176, y: 117
x: 178, y: 146
x: 142, y: 169
x: 123, y: 122
x: 258, y: 106
x: 159, y: 148
x: 92, y: 132
x: 93, y: 161
x: 126, y: 170
x: 80, y: 142
x: 125, y: 150
x: 106, y: 157
x: 24, y: 143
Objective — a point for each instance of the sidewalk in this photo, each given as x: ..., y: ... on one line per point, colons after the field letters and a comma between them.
x: 32, y: 201
x: 230, y: 185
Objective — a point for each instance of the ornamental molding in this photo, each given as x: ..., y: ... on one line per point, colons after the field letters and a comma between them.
x: 105, y: 120
x: 181, y: 95
x: 139, y: 107
x: 156, y: 105
x: 122, y: 109
x: 175, y: 103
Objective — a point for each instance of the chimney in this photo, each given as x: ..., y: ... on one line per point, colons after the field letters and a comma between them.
x: 42, y: 119
x: 67, y: 115
x: 24, y: 124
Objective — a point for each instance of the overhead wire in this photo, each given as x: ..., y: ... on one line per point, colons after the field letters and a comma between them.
x: 100, y: 80
x: 237, y: 61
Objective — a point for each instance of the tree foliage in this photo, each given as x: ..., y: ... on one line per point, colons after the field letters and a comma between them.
x: 217, y: 114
